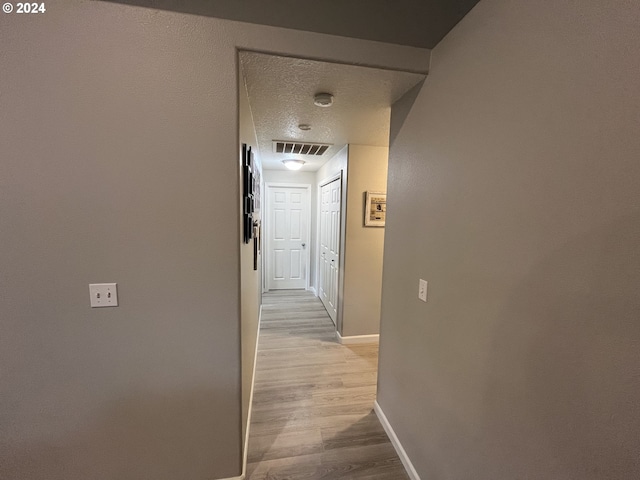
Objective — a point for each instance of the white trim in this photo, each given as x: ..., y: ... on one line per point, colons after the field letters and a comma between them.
x: 355, y: 339
x: 245, y: 453
x: 313, y: 290
x: 330, y: 179
x: 404, y: 458
x: 268, y: 185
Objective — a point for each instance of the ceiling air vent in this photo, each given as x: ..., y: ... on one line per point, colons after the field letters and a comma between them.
x: 281, y: 146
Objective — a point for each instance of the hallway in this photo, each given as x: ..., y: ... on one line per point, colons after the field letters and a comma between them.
x: 312, y: 414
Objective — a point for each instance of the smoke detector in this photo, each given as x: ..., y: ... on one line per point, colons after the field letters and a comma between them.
x: 323, y: 99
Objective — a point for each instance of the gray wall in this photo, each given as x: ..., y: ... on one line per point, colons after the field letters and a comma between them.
x: 364, y: 245
x: 250, y: 279
x: 119, y: 151
x: 514, y: 189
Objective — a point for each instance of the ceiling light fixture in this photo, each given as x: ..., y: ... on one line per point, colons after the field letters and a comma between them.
x: 293, y: 164
x: 305, y: 127
x: 323, y: 99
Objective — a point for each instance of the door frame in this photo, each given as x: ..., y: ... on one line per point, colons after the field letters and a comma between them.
x: 322, y: 183
x: 267, y: 225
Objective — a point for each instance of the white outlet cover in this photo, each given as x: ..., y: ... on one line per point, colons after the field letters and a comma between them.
x: 422, y: 290
x: 103, y: 294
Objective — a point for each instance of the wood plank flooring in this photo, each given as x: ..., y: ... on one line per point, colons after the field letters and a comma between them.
x: 313, y: 399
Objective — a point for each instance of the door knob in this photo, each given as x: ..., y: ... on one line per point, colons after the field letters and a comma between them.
x: 304, y: 245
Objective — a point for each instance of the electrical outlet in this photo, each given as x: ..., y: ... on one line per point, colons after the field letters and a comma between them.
x: 422, y: 290
x: 103, y: 294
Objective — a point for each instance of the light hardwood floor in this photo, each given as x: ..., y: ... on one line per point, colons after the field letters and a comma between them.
x: 313, y: 400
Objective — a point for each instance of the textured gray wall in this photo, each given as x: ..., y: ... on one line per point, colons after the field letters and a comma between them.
x: 114, y: 167
x: 514, y: 189
x: 250, y: 279
x: 119, y: 156
x: 363, y: 245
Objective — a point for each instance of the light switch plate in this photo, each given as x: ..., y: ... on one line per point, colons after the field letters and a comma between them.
x: 103, y: 294
x: 422, y: 290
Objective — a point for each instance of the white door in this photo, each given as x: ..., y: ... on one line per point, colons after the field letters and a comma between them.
x: 287, y: 233
x: 329, y: 246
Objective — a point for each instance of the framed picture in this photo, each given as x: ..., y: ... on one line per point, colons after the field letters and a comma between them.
x: 257, y: 199
x: 256, y: 243
x: 375, y: 209
x: 247, y: 192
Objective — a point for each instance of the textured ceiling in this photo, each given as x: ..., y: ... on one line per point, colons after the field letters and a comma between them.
x: 281, y: 91
x: 419, y: 23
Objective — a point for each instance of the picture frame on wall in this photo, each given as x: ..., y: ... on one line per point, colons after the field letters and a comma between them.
x: 256, y: 243
x: 247, y: 192
x: 375, y: 209
x: 251, y: 202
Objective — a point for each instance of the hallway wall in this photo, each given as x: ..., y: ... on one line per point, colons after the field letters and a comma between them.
x: 119, y: 148
x: 250, y: 279
x: 364, y: 245
x: 514, y: 190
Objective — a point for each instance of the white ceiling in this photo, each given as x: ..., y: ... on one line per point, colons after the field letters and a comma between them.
x: 281, y: 91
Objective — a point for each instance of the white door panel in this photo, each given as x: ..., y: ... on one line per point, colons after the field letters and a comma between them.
x: 287, y: 232
x: 329, y: 246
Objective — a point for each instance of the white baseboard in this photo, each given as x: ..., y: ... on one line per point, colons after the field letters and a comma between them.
x: 355, y: 339
x: 404, y: 458
x: 245, y: 453
x: 313, y: 290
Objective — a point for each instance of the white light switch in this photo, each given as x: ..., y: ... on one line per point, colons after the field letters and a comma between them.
x: 422, y: 290
x: 103, y: 294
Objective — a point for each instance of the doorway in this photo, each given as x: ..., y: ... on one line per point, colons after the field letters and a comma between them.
x: 287, y: 236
